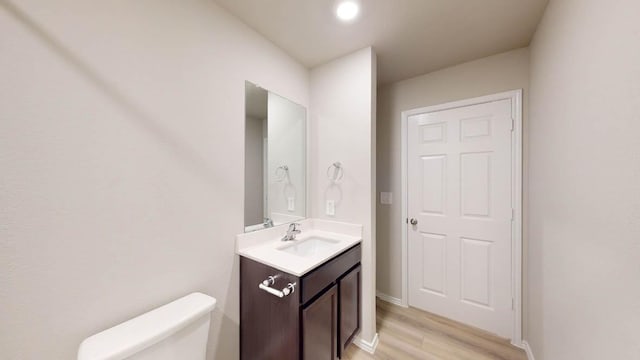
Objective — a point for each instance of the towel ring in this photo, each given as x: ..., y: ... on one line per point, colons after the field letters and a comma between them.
x: 282, y: 172
x: 338, y: 172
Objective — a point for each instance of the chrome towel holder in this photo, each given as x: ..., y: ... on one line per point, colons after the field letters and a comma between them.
x: 337, y: 174
x: 266, y: 286
x: 282, y: 172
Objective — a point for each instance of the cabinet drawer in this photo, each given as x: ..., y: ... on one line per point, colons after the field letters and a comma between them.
x: 325, y: 275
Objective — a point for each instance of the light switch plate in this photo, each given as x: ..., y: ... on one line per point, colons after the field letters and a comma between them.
x: 386, y: 198
x: 331, y: 207
x: 291, y: 204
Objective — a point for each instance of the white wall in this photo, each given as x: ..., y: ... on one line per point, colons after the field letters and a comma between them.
x: 584, y: 267
x: 254, y: 149
x: 287, y: 138
x: 494, y: 74
x: 343, y: 129
x: 121, y: 149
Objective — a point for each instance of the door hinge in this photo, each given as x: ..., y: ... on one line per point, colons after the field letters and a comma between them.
x: 513, y: 214
x: 513, y: 123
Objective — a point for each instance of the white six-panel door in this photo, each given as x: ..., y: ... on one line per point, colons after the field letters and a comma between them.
x: 459, y: 197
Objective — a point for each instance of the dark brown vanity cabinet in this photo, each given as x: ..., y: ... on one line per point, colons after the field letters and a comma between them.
x: 315, y: 322
x: 319, y: 327
x: 349, y: 292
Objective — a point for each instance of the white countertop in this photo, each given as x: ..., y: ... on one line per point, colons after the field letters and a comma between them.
x: 266, y: 246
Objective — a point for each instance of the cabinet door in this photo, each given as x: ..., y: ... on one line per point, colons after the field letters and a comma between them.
x: 349, y: 311
x: 269, y: 325
x: 320, y: 327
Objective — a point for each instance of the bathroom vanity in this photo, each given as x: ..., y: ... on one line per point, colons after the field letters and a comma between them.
x: 300, y: 289
x: 300, y: 299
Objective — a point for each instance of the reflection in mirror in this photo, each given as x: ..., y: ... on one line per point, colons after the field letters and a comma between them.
x: 275, y: 159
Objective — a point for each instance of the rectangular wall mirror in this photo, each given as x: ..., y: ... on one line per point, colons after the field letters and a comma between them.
x: 275, y: 159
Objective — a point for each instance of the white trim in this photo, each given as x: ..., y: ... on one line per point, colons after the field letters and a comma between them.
x: 403, y: 205
x: 390, y: 299
x: 516, y: 158
x: 367, y: 346
x: 527, y: 349
x: 516, y: 228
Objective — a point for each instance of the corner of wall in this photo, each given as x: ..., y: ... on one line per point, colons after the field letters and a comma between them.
x: 342, y: 110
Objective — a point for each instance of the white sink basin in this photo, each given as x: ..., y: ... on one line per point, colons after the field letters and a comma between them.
x: 310, y: 247
x: 319, y: 241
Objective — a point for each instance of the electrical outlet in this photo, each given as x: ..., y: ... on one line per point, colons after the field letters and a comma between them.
x: 331, y: 207
x: 291, y: 204
x: 386, y: 198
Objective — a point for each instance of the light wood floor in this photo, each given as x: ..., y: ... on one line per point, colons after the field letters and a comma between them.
x: 414, y: 334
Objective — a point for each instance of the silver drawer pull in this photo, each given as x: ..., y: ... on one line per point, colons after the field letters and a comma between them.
x: 290, y: 289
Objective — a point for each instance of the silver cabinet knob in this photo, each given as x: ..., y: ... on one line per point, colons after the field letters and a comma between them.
x: 413, y: 221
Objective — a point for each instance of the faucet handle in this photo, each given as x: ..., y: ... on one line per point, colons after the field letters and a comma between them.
x: 291, y: 232
x: 294, y: 227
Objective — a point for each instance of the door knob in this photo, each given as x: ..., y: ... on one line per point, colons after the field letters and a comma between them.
x: 413, y: 221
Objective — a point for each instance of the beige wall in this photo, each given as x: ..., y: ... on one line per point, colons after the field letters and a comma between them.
x: 255, y: 134
x: 121, y: 149
x: 584, y: 162
x: 507, y: 71
x: 287, y: 143
x: 343, y: 121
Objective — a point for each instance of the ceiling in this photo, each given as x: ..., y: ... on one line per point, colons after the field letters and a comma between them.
x: 410, y: 37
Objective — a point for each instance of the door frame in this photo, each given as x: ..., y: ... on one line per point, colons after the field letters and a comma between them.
x: 516, y: 197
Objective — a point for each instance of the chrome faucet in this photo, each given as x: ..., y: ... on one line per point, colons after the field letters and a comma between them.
x: 292, y: 232
x: 267, y: 223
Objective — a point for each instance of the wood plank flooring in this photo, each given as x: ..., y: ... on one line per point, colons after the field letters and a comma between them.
x: 414, y: 334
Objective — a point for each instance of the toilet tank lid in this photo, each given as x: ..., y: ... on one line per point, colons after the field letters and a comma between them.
x: 128, y: 338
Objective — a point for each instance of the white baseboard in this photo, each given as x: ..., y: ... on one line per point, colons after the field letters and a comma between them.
x: 367, y: 346
x: 528, y: 350
x: 390, y: 299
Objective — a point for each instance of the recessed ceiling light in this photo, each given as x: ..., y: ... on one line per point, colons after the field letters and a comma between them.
x: 347, y: 10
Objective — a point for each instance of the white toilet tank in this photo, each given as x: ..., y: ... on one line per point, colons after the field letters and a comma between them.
x: 176, y: 331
